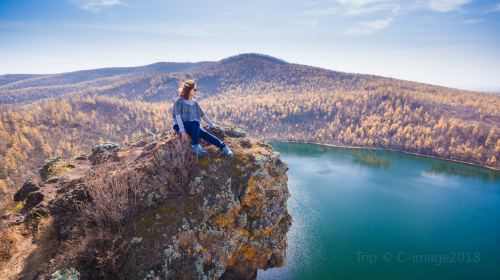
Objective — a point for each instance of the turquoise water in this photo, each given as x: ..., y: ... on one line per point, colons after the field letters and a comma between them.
x: 364, y: 214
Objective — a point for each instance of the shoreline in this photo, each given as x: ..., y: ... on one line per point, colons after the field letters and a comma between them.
x: 384, y: 149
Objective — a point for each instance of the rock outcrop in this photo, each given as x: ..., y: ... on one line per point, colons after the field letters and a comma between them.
x: 158, y: 211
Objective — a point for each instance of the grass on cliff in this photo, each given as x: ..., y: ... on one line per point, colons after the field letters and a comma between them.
x: 23, y: 252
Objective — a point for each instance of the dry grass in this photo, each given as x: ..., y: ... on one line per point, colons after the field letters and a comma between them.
x: 10, y: 239
x: 174, y: 162
x: 115, y: 193
x: 98, y: 253
x: 110, y: 252
x: 114, y: 197
x: 7, y: 204
x: 23, y: 257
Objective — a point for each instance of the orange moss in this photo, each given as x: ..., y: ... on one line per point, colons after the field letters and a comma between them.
x: 185, y: 238
x: 250, y: 198
x: 224, y: 221
x: 203, y: 162
x: 255, y: 255
x: 266, y: 231
x: 249, y: 253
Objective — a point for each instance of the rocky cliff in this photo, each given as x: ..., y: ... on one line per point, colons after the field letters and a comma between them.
x: 154, y: 210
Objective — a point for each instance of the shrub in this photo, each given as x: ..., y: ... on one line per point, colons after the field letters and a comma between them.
x: 174, y: 162
x: 114, y: 197
x: 8, y: 244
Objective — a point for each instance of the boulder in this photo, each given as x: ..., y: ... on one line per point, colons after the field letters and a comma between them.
x: 104, y: 152
x: 25, y: 190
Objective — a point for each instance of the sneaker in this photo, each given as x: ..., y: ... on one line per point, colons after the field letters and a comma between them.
x: 198, y: 149
x: 201, y: 150
x: 227, y: 151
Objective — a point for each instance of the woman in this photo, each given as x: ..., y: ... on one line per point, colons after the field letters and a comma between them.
x: 187, y: 113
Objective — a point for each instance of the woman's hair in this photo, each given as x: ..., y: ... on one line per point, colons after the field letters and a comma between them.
x: 185, y: 88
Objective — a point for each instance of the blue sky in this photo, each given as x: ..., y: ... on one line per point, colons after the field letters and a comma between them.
x: 449, y: 42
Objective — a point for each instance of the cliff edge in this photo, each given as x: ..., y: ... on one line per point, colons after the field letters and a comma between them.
x: 154, y: 210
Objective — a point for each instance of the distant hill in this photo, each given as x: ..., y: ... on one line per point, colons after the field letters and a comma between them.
x: 250, y: 72
x: 45, y: 115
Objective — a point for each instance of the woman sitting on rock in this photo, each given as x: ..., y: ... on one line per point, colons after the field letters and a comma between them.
x: 187, y: 113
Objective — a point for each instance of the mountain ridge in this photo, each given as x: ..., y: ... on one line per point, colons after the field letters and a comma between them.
x: 163, y: 67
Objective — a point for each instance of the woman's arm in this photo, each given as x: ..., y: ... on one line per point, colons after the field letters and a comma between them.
x: 176, y: 111
x: 205, y: 117
x: 178, y: 118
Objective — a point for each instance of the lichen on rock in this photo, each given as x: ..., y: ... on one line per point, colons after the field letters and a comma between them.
x: 104, y: 152
x: 53, y: 167
x: 66, y: 274
x: 193, y: 218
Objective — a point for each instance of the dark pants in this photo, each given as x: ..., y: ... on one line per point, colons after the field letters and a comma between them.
x: 194, y: 129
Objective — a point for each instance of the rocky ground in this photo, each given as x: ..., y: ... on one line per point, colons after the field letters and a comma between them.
x: 154, y: 210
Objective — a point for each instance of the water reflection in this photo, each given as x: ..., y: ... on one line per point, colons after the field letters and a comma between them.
x: 362, y: 156
x: 451, y: 168
x: 300, y: 149
x: 368, y: 158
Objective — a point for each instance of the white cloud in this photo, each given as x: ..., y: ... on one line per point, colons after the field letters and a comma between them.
x: 368, y: 27
x: 96, y: 5
x: 444, y: 6
x: 472, y: 21
x: 321, y: 12
x: 356, y: 7
x: 352, y: 7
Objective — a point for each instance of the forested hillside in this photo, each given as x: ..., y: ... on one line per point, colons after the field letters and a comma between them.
x: 381, y: 119
x: 46, y: 115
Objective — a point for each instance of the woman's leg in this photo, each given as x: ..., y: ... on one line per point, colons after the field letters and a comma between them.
x: 193, y: 129
x: 211, y: 138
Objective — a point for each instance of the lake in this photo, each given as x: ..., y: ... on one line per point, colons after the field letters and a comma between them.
x: 371, y: 214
